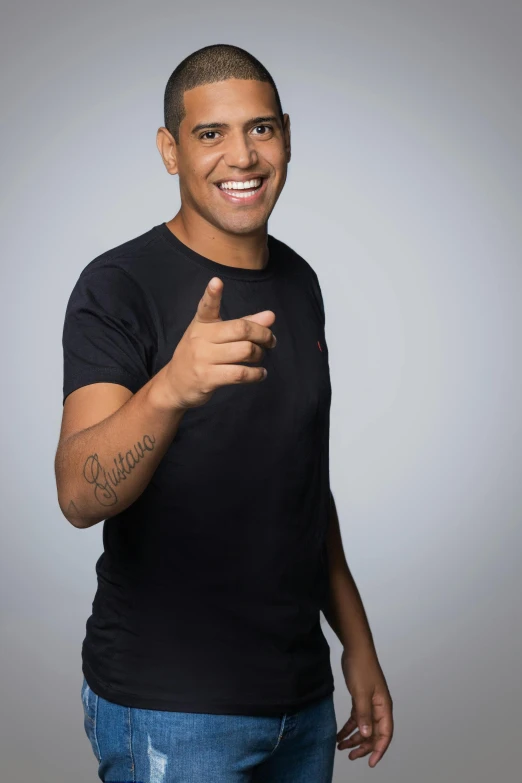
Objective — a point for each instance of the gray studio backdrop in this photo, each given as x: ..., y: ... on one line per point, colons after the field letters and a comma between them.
x: 404, y: 193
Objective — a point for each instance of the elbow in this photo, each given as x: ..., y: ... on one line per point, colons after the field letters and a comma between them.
x: 69, y: 508
x: 73, y: 516
x: 79, y: 523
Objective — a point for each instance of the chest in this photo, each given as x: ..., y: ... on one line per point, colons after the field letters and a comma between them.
x: 296, y: 393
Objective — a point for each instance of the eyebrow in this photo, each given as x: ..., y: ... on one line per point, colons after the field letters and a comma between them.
x: 252, y: 121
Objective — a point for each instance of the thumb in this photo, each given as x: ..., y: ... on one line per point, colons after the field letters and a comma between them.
x: 210, y: 302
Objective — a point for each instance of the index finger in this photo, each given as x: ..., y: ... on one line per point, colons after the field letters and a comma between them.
x: 209, y: 304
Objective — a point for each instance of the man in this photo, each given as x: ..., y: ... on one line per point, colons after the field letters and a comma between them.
x: 202, y: 442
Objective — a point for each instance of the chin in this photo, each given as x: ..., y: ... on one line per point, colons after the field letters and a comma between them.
x: 243, y: 224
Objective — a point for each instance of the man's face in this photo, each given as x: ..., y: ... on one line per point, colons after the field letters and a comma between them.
x: 231, y: 134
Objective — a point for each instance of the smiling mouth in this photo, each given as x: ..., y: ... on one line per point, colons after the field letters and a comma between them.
x: 243, y: 192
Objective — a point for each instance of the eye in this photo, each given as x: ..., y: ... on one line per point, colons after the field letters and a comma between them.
x: 206, y: 134
x: 269, y: 128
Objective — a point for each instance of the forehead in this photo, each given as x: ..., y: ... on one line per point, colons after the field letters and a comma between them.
x: 228, y: 101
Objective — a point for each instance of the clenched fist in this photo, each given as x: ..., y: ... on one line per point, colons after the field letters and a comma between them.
x: 206, y: 356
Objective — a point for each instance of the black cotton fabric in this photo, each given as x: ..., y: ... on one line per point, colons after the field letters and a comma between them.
x: 210, y: 584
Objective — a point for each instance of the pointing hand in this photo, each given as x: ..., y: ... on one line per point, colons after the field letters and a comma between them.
x: 206, y: 356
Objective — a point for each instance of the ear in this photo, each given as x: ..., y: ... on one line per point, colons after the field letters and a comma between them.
x: 168, y: 149
x: 286, y: 133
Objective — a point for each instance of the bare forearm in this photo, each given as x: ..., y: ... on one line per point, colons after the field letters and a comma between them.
x: 344, y: 611
x: 103, y: 469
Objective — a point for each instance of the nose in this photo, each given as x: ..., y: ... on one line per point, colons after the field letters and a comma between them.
x: 240, y: 152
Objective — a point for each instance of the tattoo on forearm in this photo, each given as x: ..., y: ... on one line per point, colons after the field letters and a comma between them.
x: 105, y: 481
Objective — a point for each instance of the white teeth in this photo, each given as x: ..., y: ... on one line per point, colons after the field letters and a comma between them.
x: 232, y: 185
x: 244, y: 194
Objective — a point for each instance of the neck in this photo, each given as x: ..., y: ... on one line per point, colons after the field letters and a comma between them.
x: 247, y: 251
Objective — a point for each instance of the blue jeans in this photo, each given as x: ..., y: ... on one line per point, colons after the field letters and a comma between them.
x: 135, y: 745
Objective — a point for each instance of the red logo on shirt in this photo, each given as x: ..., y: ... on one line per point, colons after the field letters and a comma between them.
x: 319, y: 344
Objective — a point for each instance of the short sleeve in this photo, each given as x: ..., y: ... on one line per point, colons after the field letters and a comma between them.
x: 108, y: 332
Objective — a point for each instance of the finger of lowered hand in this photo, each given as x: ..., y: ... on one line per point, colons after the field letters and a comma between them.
x: 351, y: 741
x: 348, y: 727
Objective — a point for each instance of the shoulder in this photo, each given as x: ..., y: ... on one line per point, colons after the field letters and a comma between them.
x: 127, y: 260
x: 301, y: 272
x: 292, y: 260
x: 121, y: 276
x: 116, y: 284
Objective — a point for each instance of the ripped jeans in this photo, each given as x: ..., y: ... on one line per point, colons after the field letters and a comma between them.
x: 134, y: 745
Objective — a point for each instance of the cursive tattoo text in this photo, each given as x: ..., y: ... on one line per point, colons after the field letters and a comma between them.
x: 105, y: 481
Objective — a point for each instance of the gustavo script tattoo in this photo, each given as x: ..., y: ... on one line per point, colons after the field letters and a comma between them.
x: 105, y: 481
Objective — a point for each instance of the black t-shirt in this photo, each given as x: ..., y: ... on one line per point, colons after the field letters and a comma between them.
x: 211, y: 583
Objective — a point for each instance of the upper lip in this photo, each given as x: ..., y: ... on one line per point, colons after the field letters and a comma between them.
x: 246, y: 178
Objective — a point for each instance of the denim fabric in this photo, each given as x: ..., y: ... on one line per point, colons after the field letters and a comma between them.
x: 134, y: 745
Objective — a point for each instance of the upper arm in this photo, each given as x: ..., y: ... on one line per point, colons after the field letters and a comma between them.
x: 89, y: 405
x: 108, y: 335
x: 109, y: 342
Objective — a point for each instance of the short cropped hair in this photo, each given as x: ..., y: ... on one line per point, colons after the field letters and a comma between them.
x: 210, y: 64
